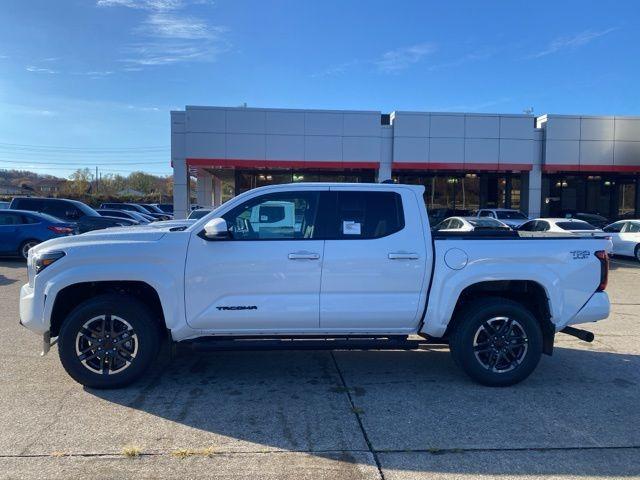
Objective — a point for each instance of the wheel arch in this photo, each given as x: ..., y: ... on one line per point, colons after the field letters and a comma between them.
x: 72, y: 295
x: 529, y: 293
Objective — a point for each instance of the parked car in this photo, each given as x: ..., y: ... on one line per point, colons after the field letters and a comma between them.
x: 625, y: 236
x: 560, y: 225
x: 154, y: 209
x: 69, y: 210
x: 135, y: 216
x: 361, y: 265
x: 437, y: 215
x: 20, y: 230
x: 134, y: 207
x: 594, y: 219
x: 199, y: 213
x: 511, y: 217
x: 165, y: 207
x: 470, y: 224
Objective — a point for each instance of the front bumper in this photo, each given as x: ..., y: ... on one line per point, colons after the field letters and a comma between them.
x: 31, y: 312
x: 597, y: 308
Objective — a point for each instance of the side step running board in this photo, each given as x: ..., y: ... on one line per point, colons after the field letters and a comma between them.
x: 214, y: 344
x: 578, y: 333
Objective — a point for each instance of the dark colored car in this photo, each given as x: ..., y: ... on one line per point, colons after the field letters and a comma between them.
x: 593, y: 218
x: 20, y: 230
x: 154, y: 209
x: 134, y: 207
x: 135, y: 216
x: 165, y: 207
x: 83, y: 215
x: 199, y: 213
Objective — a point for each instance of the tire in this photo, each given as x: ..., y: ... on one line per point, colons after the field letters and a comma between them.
x: 636, y: 252
x: 491, y: 358
x: 85, y: 342
x: 23, y: 251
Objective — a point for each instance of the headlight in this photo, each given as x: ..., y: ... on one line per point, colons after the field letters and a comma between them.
x: 43, y: 260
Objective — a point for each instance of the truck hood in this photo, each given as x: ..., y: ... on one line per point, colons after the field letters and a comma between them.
x: 107, y: 235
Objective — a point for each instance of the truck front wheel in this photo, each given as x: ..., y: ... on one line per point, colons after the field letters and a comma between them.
x: 108, y: 341
x: 496, y: 341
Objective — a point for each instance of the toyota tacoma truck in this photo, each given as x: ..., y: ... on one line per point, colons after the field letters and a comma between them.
x: 333, y: 265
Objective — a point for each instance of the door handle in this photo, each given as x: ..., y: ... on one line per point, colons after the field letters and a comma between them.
x: 303, y: 256
x: 403, y: 256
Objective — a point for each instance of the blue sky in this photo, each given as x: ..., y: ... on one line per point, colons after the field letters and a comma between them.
x: 96, y: 78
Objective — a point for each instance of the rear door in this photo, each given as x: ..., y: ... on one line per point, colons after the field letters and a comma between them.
x: 10, y: 233
x: 375, y: 258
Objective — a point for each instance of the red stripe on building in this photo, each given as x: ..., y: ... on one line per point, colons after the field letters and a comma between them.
x: 591, y: 168
x: 489, y: 167
x: 238, y: 163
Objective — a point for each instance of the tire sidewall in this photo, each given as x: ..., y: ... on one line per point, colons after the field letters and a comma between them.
x: 462, y: 341
x: 125, y: 307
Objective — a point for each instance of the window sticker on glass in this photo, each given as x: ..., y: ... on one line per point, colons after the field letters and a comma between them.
x: 349, y: 227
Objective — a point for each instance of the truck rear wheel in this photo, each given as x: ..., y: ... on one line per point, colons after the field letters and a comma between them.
x: 108, y: 341
x: 496, y: 341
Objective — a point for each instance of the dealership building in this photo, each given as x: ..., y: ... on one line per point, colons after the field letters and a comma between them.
x: 545, y: 166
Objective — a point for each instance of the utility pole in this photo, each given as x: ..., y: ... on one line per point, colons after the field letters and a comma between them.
x: 96, y: 179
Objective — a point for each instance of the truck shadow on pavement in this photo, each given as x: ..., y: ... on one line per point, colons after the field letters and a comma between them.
x: 577, y: 406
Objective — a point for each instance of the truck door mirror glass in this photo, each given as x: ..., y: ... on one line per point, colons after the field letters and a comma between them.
x: 216, y: 229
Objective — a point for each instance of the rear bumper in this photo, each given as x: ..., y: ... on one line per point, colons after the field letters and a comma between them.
x: 597, y: 308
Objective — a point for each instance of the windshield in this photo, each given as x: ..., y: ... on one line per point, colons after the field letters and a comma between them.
x: 152, y: 208
x: 85, y: 209
x: 46, y: 216
x: 510, y: 215
x: 575, y: 226
x: 485, y: 222
x: 197, y: 214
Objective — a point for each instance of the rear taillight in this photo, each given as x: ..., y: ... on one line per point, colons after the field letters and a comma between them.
x: 604, y: 269
x: 60, y: 230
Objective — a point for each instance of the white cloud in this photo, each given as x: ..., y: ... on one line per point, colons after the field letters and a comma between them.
x: 401, y: 58
x: 571, y: 42
x: 158, y: 5
x: 34, y: 69
x: 476, y: 56
x: 150, y: 54
x: 170, y: 25
x: 168, y: 36
x: 338, y: 69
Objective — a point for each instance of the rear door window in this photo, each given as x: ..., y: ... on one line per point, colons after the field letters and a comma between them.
x: 11, y: 219
x: 575, y: 226
x: 32, y: 204
x: 366, y: 215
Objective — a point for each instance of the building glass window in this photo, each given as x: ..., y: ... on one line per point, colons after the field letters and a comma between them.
x: 250, y: 179
x: 608, y: 195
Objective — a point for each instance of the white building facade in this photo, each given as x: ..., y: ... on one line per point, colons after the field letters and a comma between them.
x: 544, y: 165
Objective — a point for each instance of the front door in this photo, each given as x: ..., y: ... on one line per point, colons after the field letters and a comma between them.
x: 266, y: 277
x: 375, y: 265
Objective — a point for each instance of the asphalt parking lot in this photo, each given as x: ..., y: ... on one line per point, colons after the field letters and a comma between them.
x: 344, y: 414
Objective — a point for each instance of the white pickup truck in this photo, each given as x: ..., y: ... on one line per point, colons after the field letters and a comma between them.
x: 354, y: 262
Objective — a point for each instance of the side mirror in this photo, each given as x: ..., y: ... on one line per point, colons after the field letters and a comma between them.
x: 216, y: 229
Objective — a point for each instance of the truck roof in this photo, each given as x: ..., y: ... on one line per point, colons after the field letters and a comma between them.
x: 342, y: 185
